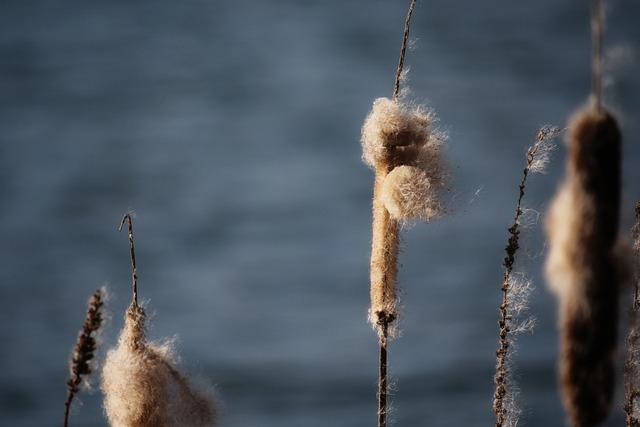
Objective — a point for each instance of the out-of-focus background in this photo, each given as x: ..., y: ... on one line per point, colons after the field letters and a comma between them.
x: 232, y: 129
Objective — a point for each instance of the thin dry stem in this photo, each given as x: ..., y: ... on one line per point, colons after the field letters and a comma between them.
x: 596, y: 52
x: 134, y: 271
x: 501, y: 378
x: 405, y: 39
x: 587, y: 264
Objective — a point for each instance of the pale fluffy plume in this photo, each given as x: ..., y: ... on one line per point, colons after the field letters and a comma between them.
x: 586, y: 265
x: 143, y: 388
x: 409, y: 192
x: 392, y: 133
x: 398, y: 140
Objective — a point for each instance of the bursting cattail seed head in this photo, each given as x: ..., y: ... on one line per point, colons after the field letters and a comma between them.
x: 143, y: 388
x: 586, y: 265
x: 400, y: 144
x: 392, y: 133
x: 398, y: 140
x: 408, y: 192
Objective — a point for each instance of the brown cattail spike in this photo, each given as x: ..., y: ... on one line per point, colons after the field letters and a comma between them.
x: 586, y: 264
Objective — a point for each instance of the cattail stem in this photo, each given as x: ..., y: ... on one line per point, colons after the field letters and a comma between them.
x: 407, y: 24
x: 382, y: 384
x: 134, y: 271
x: 384, y: 254
x: 596, y: 52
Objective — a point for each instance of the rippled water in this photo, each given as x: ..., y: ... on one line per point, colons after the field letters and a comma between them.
x: 232, y: 129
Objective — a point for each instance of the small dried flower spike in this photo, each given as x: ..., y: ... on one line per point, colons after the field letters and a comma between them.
x: 399, y: 143
x: 85, y: 349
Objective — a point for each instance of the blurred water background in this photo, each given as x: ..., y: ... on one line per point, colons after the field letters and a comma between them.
x: 232, y: 129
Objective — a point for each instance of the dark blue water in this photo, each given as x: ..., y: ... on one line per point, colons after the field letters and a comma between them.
x: 232, y: 130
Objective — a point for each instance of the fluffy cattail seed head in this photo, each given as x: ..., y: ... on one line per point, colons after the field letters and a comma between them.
x: 393, y: 133
x: 398, y: 140
x: 409, y: 192
x: 143, y: 388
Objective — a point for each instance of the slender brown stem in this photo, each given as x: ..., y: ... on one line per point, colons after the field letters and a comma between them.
x: 502, y: 374
x: 396, y: 89
x: 382, y: 384
x: 596, y: 52
x: 134, y: 271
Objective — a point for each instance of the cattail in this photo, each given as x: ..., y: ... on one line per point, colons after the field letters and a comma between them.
x: 84, y: 351
x: 399, y: 142
x: 586, y: 266
x: 141, y: 384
